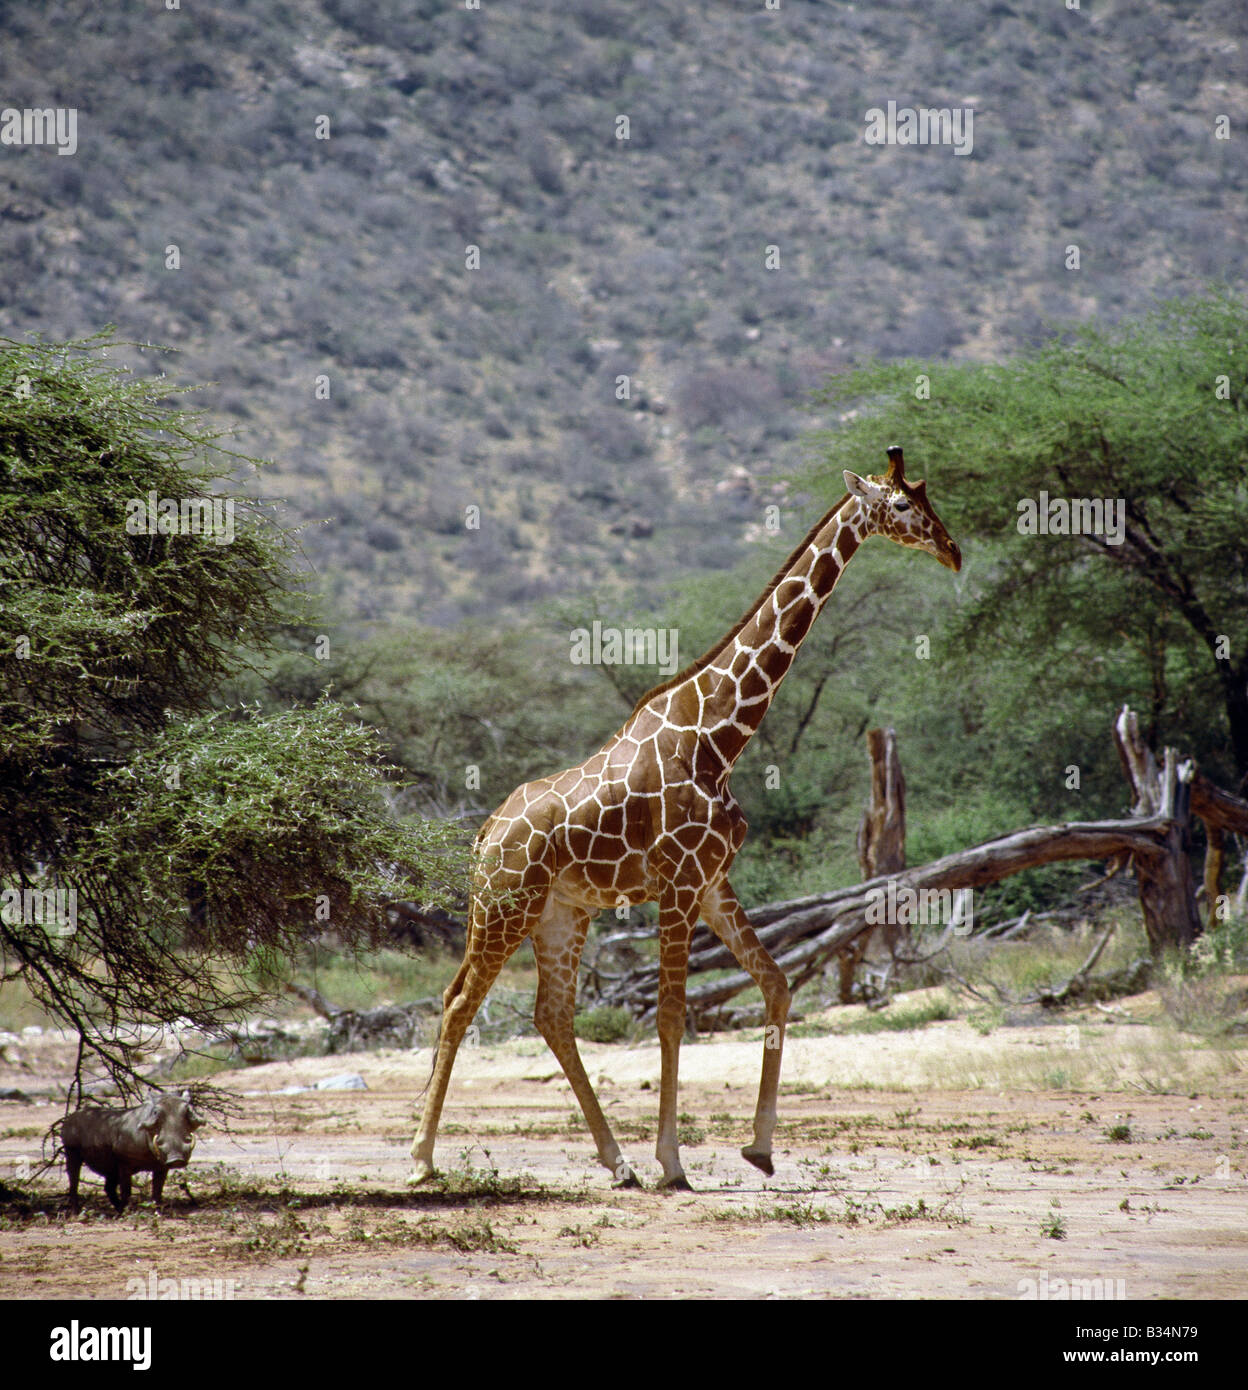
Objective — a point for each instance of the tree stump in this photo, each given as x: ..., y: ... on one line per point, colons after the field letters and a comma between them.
x: 881, y: 847
x: 1164, y: 873
x: 882, y: 830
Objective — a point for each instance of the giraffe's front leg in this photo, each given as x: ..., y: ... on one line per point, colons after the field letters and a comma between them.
x: 726, y: 918
x: 676, y: 922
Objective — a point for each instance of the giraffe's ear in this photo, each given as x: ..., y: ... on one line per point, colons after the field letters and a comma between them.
x: 858, y: 487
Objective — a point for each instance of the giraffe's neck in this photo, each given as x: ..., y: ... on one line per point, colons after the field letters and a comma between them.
x: 732, y: 689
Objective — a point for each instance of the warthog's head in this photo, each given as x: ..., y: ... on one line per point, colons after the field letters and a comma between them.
x: 169, y: 1123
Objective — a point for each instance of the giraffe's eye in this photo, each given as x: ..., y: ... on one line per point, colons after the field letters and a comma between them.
x: 901, y: 506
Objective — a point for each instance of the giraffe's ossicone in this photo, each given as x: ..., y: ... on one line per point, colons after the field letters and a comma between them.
x: 650, y: 818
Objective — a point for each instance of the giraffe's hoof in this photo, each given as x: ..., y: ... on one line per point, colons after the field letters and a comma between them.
x: 627, y: 1179
x: 679, y: 1183
x: 760, y: 1160
x: 424, y: 1172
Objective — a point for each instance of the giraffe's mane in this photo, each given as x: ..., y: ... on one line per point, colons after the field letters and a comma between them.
x: 712, y: 652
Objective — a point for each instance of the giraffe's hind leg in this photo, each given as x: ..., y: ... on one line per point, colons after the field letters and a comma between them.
x: 726, y: 918
x: 558, y: 940
x: 493, y: 937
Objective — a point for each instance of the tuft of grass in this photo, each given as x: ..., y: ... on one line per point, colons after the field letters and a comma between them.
x: 359, y: 982
x: 1053, y: 1227
x: 1210, y: 1005
x: 194, y: 1066
x: 799, y: 1213
x: 987, y: 1019
x: 472, y: 1236
x: 1119, y: 1134
x: 278, y: 1239
x: 1048, y: 957
x: 901, y: 1019
x: 479, y: 1182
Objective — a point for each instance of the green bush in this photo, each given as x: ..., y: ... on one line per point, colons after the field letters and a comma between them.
x: 605, y: 1025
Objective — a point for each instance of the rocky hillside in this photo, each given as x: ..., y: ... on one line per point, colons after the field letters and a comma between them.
x: 322, y: 168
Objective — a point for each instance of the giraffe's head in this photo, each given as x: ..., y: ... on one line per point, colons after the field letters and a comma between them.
x: 900, y: 510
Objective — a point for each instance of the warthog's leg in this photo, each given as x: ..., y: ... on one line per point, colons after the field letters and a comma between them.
x: 73, y: 1166
x: 118, y: 1189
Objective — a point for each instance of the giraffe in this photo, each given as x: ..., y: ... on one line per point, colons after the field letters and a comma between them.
x: 650, y: 818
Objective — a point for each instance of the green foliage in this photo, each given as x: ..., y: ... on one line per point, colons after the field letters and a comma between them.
x: 1203, y: 991
x: 280, y: 822
x: 605, y: 1025
x: 118, y: 786
x: 1152, y: 416
x: 466, y: 715
x: 902, y: 1019
x: 102, y: 630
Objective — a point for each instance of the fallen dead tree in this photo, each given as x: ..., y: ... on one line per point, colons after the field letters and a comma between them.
x: 359, y: 1030
x: 805, y: 933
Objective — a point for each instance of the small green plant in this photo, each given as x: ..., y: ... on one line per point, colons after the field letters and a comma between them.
x: 604, y: 1025
x: 799, y: 1213
x: 987, y: 1019
x: 470, y: 1236
x: 279, y: 1239
x: 1053, y: 1227
x: 1119, y: 1134
x: 467, y: 1181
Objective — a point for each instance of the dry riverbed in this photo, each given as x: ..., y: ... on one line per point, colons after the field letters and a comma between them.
x: 933, y: 1163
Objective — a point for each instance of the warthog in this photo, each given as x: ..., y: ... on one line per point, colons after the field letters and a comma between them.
x: 116, y: 1144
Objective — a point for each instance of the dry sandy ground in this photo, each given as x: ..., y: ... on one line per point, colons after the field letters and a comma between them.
x: 936, y: 1163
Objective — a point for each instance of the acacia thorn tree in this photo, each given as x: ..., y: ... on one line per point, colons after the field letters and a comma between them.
x: 161, y: 855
